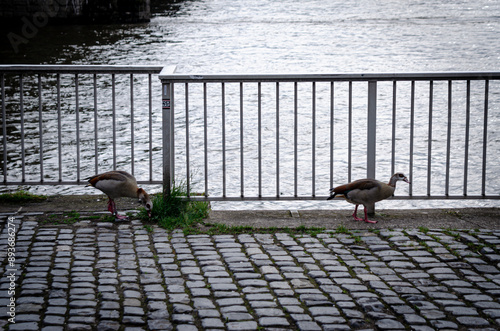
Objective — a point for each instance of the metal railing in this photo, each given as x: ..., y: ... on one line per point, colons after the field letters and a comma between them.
x: 252, y: 137
x: 291, y: 137
x: 61, y: 123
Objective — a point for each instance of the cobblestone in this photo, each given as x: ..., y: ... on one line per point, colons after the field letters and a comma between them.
x: 112, y: 276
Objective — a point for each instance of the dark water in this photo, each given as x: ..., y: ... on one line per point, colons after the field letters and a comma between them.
x: 286, y: 35
x: 228, y: 36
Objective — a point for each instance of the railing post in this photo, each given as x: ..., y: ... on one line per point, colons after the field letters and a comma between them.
x: 168, y: 132
x: 371, y: 144
x: 166, y: 124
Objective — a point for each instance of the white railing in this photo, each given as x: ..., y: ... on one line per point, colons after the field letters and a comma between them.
x: 61, y: 124
x: 252, y: 137
x: 289, y: 137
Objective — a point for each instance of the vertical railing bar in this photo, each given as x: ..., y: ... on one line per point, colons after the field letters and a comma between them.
x: 412, y: 135
x: 150, y: 99
x: 485, y: 135
x: 313, y: 139
x: 167, y: 136
x: 277, y: 139
x: 223, y: 94
x: 332, y: 120
x: 113, y: 115
x: 21, y: 103
x: 371, y: 136
x: 393, y: 138
x: 448, y: 139
x: 259, y: 126
x: 467, y: 125
x: 295, y: 138
x: 77, y: 118
x: 40, y: 125
x: 349, y: 137
x: 242, y: 163
x: 96, y: 137
x: 4, y: 129
x: 172, y: 134
x: 132, y: 133
x: 205, y: 135
x: 371, y: 141
x: 188, y: 170
x: 429, y: 141
x: 59, y: 126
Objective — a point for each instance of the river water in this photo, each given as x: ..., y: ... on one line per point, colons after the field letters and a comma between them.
x: 285, y: 36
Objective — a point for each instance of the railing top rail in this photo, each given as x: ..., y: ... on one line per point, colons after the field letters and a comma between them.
x: 76, y: 69
x: 173, y: 77
x: 167, y: 73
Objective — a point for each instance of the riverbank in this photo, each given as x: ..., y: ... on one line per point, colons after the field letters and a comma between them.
x: 460, y: 218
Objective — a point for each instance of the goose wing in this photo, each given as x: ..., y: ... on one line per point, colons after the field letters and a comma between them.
x: 115, y: 184
x: 118, y: 176
x: 360, y: 184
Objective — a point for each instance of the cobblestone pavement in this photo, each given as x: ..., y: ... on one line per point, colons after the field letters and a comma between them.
x: 127, y: 276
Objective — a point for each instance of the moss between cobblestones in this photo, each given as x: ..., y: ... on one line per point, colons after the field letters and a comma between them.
x: 219, y: 228
x: 68, y: 218
x: 313, y: 231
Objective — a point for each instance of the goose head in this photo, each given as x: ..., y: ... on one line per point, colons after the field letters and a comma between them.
x: 398, y: 176
x: 145, y: 200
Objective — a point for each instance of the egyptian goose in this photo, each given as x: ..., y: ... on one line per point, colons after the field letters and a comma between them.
x: 116, y: 184
x: 366, y: 192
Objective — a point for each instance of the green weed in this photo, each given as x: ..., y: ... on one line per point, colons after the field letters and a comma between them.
x: 423, y: 229
x: 342, y: 229
x: 174, y: 211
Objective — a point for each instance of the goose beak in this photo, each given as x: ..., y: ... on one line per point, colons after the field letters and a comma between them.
x: 149, y: 207
x: 406, y: 180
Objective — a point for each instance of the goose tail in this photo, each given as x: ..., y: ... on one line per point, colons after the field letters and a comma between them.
x: 332, y: 195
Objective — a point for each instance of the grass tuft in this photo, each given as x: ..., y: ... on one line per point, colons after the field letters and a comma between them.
x: 175, y: 211
x: 342, y: 229
x: 21, y: 196
x: 423, y: 229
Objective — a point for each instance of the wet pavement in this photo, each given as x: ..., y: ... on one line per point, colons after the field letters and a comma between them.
x: 94, y: 275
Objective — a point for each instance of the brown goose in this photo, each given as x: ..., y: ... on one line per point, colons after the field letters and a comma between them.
x: 116, y: 184
x: 366, y: 192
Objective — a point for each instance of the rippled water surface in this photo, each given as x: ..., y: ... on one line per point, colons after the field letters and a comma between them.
x: 227, y: 36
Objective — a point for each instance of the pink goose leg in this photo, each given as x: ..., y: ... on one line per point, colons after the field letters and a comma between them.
x: 114, y: 212
x: 366, y: 218
x: 355, y: 215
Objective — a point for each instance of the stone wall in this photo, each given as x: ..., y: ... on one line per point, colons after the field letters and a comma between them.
x: 76, y: 11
